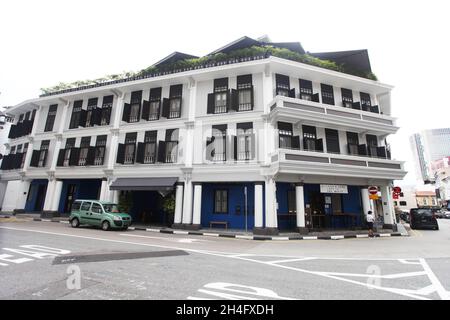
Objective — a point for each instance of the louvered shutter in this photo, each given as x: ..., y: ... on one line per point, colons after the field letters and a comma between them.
x: 252, y: 146
x: 74, y: 156
x: 4, y: 163
x: 381, y: 152
x: 211, y: 103
x: 356, y: 105
x: 252, y: 97
x: 375, y: 109
x: 296, y: 142
x: 90, y: 156
x: 315, y: 97
x: 140, y: 152
x: 83, y: 118
x: 145, y: 109
x: 166, y: 108
x: 162, y: 151
x: 319, y: 145
x: 234, y: 97
x: 292, y: 93
x: 362, y: 150
x: 11, y: 134
x: 96, y: 116
x: 120, y: 153
x: 35, y: 158
x: 235, y: 147
x: 61, y: 154
x: 126, y: 112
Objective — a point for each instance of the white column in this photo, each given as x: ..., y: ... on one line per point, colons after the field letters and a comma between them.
x: 366, y: 201
x: 49, y: 195
x: 187, y: 203
x: 28, y: 155
x: 178, y: 204
x: 54, y: 160
x: 197, y: 212
x: 104, y: 191
x: 56, y: 195
x: 300, y: 206
x: 388, y: 208
x: 271, y: 204
x: 258, y: 205
x: 112, y: 154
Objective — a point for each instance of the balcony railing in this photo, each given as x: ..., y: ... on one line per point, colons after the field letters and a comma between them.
x: 128, y: 159
x: 220, y: 156
x: 244, y: 155
x: 98, y: 161
x: 149, y: 158
x: 220, y: 109
x: 174, y: 114
x: 245, y: 107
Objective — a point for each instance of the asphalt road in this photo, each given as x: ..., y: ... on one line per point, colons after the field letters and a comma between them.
x: 45, y: 260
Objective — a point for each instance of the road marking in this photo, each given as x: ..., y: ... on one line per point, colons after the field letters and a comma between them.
x: 34, y: 251
x: 291, y: 260
x: 416, y: 294
x: 443, y: 294
x: 232, y: 291
x: 184, y: 240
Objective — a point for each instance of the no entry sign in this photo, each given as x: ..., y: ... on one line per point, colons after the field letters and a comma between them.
x: 373, y: 190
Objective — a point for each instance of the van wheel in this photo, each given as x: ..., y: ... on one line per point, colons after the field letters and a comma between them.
x: 412, y: 226
x: 105, y: 225
x: 75, y: 223
x: 437, y: 228
x: 125, y: 228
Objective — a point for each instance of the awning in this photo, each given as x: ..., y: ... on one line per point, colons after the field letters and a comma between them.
x: 151, y: 184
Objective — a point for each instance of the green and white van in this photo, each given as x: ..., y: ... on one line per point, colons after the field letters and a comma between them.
x: 98, y: 213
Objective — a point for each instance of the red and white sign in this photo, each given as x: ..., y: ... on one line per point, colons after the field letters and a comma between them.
x: 373, y: 190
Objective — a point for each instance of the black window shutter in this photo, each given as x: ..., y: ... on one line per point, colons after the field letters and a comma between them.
x: 74, y: 156
x: 252, y: 97
x: 145, y: 109
x: 96, y: 116
x: 126, y: 112
x: 35, y: 158
x: 83, y: 117
x: 315, y: 97
x: 140, y: 152
x: 235, y: 149
x: 90, y: 156
x: 60, y: 161
x: 162, y: 151
x: 120, y: 153
x: 4, y: 162
x: 362, y: 150
x: 292, y: 93
x: 381, y: 152
x: 234, y: 100
x: 375, y: 109
x: 166, y: 108
x: 319, y: 145
x: 228, y: 100
x: 211, y: 102
x: 356, y: 105
x: 296, y: 142
x: 12, y: 130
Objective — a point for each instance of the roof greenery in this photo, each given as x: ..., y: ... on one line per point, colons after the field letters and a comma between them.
x: 263, y: 51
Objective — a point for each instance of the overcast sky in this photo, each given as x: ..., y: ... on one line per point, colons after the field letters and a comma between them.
x: 44, y: 42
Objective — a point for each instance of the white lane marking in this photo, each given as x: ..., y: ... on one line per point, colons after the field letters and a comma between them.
x: 291, y: 260
x: 183, y: 240
x: 403, y: 292
x: 9, y: 258
x: 388, y: 276
x: 232, y: 291
x: 443, y: 294
x: 405, y: 261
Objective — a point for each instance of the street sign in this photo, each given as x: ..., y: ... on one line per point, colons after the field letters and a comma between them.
x: 373, y: 190
x: 397, y: 189
x: 373, y: 196
x: 333, y: 188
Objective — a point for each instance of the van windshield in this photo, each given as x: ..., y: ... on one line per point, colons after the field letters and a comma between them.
x: 111, y: 208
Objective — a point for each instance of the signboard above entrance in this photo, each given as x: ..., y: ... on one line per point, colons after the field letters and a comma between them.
x: 333, y: 188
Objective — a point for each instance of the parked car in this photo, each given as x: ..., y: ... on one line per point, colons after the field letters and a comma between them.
x: 423, y: 218
x: 447, y: 214
x: 98, y: 213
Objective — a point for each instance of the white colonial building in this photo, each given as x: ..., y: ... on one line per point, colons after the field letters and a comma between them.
x: 256, y: 141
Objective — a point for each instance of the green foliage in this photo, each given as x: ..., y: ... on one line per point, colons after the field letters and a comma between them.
x: 125, y: 202
x: 169, y: 204
x: 188, y: 64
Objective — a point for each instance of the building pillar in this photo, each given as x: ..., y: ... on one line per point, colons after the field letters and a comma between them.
x: 56, y: 195
x: 114, y: 196
x: 48, y: 211
x: 366, y: 201
x: 258, y: 206
x: 300, y: 208
x: 388, y: 208
x: 271, y: 225
x: 197, y: 207
x: 187, y: 203
x: 104, y: 191
x: 178, y: 205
